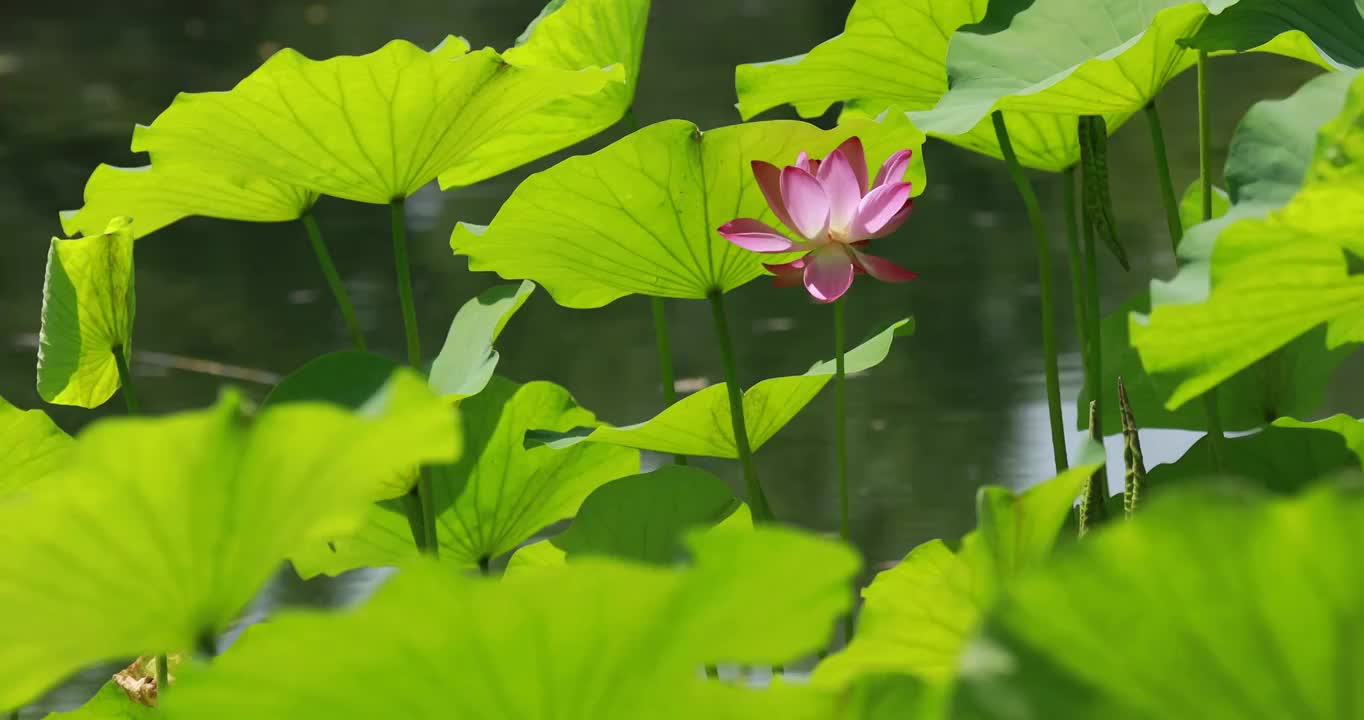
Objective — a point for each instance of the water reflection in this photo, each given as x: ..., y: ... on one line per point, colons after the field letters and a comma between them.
x: 958, y: 405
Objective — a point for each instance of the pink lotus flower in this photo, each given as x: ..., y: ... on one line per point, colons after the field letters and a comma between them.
x: 829, y: 205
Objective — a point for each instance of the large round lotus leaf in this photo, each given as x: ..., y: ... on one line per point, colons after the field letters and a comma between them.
x: 641, y: 215
x: 1205, y: 605
x: 169, y: 526
x: 600, y: 639
x: 372, y: 128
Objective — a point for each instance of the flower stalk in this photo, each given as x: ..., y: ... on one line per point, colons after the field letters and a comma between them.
x: 762, y: 511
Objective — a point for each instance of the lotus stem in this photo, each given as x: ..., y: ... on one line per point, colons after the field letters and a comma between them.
x: 1134, y: 475
x: 841, y: 439
x: 404, y: 269
x: 324, y: 261
x: 762, y: 512
x: 125, y: 380
x: 1167, y: 188
x: 1078, y: 295
x: 663, y: 346
x: 1215, y: 439
x: 1092, y: 509
x: 485, y: 566
x: 1058, y: 432
x: 162, y: 675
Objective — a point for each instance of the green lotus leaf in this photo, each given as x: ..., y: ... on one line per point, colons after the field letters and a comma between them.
x: 88, y: 307
x: 1330, y: 29
x: 498, y: 495
x: 1204, y: 605
x: 700, y: 424
x: 641, y: 518
x: 32, y: 447
x: 371, y: 128
x: 169, y: 526
x: 892, y: 53
x: 570, y: 36
x: 1283, y: 458
x: 1059, y: 60
x: 640, y: 216
x: 893, y: 697
x: 159, y: 196
x: 1290, y: 382
x: 917, y: 616
x: 467, y: 360
x: 1272, y: 269
x: 599, y: 638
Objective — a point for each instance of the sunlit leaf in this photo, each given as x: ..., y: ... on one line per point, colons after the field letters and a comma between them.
x: 1276, y: 265
x: 157, y: 196
x: 156, y: 532
x: 640, y: 216
x: 498, y: 495
x: 570, y: 36
x: 1284, y: 457
x: 467, y: 360
x: 641, y: 518
x: 892, y: 53
x: 595, y: 639
x: 32, y: 447
x: 1332, y: 29
x: 918, y: 615
x: 372, y: 128
x: 700, y: 424
x: 88, y: 306
x: 1203, y: 606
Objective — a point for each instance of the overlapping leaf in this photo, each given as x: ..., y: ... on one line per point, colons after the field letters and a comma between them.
x: 158, y: 196
x: 700, y: 424
x: 640, y: 216
x: 498, y: 495
x: 371, y: 128
x: 1202, y: 606
x: 1332, y: 30
x: 1059, y: 60
x: 641, y: 518
x: 1276, y: 266
x: 169, y: 526
x: 892, y: 53
x: 467, y: 360
x: 88, y: 307
x: 918, y: 616
x: 570, y: 36
x: 1285, y: 457
x: 599, y: 638
x: 32, y: 447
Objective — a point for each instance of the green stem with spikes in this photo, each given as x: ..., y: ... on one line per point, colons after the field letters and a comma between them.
x: 663, y: 345
x: 1167, y: 188
x: 125, y: 381
x: 1058, y: 430
x: 324, y: 261
x: 1078, y: 295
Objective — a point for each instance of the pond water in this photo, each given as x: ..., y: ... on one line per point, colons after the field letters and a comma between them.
x: 956, y: 406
